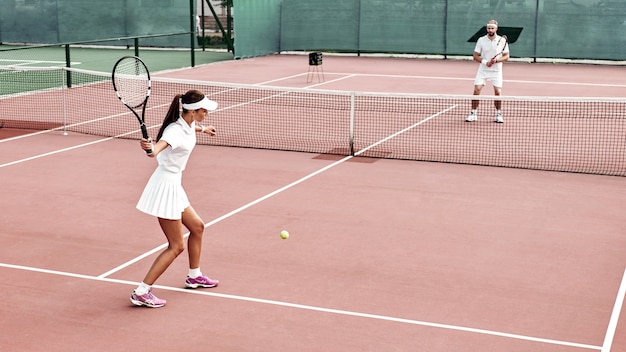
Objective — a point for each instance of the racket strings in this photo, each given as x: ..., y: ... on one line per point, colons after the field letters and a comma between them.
x: 501, y: 46
x: 132, y: 82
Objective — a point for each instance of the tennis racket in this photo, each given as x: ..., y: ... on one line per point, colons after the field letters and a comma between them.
x: 131, y: 82
x: 501, y: 46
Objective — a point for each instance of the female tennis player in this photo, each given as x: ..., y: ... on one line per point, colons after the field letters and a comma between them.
x: 165, y: 198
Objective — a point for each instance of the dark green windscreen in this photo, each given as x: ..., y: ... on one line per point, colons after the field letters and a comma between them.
x: 570, y: 29
x: 257, y: 27
x: 65, y: 21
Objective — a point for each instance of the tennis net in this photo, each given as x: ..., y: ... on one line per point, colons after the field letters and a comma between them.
x: 583, y: 135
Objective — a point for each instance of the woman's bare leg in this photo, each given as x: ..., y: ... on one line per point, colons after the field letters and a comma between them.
x: 173, y: 231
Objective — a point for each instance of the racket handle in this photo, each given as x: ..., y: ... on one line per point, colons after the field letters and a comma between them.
x: 144, y: 133
x: 148, y: 151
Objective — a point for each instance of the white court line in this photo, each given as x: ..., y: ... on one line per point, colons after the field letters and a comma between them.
x: 472, y: 79
x: 331, y: 81
x: 316, y: 309
x: 30, y: 134
x: 348, y: 75
x: 29, y: 62
x: 63, y: 128
x: 279, y: 79
x: 55, y: 152
x: 61, y: 150
x: 617, y: 309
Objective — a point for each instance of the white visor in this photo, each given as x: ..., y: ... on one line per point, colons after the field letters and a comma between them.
x: 205, y: 103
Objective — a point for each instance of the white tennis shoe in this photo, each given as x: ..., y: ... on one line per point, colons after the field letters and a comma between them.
x: 472, y: 117
x: 499, y: 118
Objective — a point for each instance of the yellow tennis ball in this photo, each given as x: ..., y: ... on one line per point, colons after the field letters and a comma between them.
x: 284, y: 234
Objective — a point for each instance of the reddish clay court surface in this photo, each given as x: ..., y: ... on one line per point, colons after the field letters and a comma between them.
x: 384, y: 255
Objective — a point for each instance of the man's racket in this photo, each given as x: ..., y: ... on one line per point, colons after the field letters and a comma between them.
x: 131, y: 82
x: 501, y: 46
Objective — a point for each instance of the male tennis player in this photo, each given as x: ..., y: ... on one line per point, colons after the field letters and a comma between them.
x: 491, y: 51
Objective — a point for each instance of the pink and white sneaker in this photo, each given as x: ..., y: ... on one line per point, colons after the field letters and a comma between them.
x: 147, y: 300
x: 200, y: 281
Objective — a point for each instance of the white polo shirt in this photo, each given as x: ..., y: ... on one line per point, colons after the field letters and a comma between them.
x: 487, y: 49
x: 182, y: 139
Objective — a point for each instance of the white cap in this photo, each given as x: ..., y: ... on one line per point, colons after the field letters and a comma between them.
x: 205, y: 103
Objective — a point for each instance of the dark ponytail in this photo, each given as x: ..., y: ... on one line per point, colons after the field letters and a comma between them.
x: 172, y: 115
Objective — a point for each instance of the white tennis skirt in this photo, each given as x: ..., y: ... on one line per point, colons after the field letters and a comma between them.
x: 164, y: 196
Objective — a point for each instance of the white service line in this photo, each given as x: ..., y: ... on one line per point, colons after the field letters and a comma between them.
x: 347, y: 75
x: 331, y: 81
x: 472, y: 79
x: 617, y: 310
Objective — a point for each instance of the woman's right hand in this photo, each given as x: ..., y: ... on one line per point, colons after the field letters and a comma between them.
x: 146, y: 144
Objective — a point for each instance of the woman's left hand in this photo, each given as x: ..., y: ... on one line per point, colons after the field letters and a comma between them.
x: 210, y: 130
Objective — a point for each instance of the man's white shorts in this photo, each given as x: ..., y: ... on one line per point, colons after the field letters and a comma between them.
x: 494, y: 76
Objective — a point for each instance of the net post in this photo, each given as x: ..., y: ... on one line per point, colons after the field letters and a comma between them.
x: 136, y: 40
x: 68, y: 63
x: 63, y: 99
x: 192, y: 31
x: 203, y: 25
x: 351, y: 141
x: 537, y: 7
